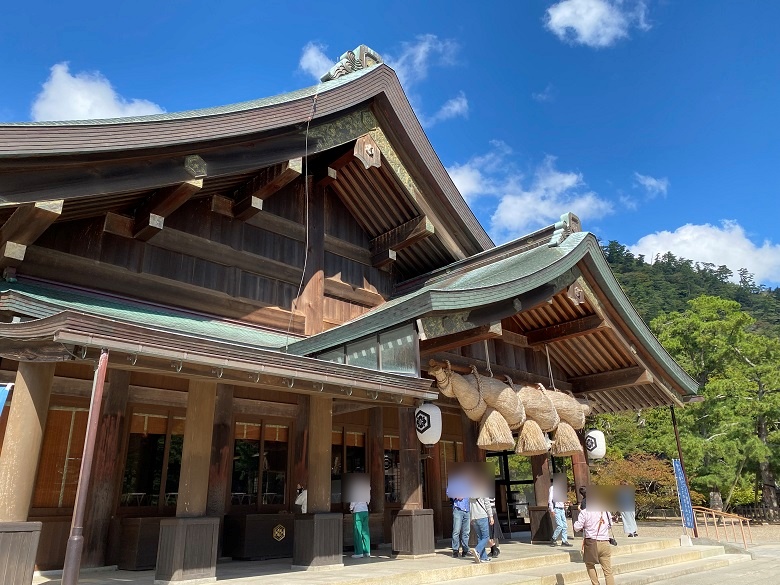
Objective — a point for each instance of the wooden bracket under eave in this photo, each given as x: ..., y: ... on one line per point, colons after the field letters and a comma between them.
x: 249, y: 197
x: 25, y: 225
x: 403, y: 236
x: 150, y: 217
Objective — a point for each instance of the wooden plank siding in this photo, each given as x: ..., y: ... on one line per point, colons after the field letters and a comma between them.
x: 206, y: 261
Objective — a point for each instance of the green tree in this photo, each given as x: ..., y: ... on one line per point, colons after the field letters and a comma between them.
x: 739, y: 372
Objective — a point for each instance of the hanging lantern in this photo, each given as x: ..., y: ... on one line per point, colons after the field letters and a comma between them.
x: 595, y: 444
x: 427, y: 421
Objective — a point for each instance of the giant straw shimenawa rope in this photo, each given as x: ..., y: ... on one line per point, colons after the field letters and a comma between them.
x: 502, y: 407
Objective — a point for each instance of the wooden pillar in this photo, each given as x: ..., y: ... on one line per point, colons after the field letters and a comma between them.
x: 433, y: 475
x: 196, y: 452
x: 104, y: 485
x: 312, y: 299
x: 541, y: 523
x: 319, y: 535
x: 413, y: 526
x: 23, y: 438
x: 581, y: 470
x: 221, y: 451
x: 300, y: 473
x: 221, y: 455
x: 471, y: 453
x: 410, y: 492
x: 187, y: 549
x: 318, y: 454
x: 376, y: 458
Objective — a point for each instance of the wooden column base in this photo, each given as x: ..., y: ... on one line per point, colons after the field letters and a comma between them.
x: 18, y: 547
x: 319, y: 541
x: 541, y: 524
x: 187, y: 552
x: 413, y: 533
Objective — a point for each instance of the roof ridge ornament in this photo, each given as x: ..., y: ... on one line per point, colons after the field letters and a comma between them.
x: 362, y: 57
x: 568, y: 224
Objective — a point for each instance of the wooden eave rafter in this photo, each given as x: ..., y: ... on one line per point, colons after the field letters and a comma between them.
x: 566, y: 330
x: 614, y: 380
x: 657, y: 383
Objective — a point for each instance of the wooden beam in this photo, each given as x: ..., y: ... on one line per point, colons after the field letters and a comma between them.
x: 151, y: 215
x: 455, y: 340
x: 29, y: 221
x: 311, y: 301
x: 566, y: 330
x: 614, y: 380
x: 247, y: 207
x: 361, y: 296
x: 400, y: 237
x: 347, y: 406
x: 383, y: 258
x: 512, y: 338
x: 461, y: 364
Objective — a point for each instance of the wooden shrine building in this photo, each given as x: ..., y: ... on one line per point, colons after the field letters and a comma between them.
x: 243, y: 299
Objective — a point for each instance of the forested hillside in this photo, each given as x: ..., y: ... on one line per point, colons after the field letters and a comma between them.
x: 727, y: 336
x: 668, y: 283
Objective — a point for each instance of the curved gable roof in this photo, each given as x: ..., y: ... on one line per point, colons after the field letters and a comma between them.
x: 198, y: 130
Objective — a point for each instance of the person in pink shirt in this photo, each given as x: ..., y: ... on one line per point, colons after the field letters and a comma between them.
x: 596, y: 548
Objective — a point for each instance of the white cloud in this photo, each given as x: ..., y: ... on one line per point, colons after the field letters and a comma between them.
x: 411, y: 65
x: 726, y: 244
x: 547, y: 95
x: 595, y: 23
x: 314, y: 61
x: 84, y: 96
x: 652, y: 186
x: 525, y: 203
x: 457, y: 107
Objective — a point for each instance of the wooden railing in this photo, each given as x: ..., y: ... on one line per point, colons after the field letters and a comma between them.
x: 725, y: 520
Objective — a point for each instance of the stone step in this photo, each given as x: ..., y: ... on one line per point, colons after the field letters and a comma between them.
x: 639, y: 564
x: 540, y: 558
x: 677, y: 571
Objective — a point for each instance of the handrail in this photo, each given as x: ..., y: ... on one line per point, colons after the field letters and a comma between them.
x: 723, y: 516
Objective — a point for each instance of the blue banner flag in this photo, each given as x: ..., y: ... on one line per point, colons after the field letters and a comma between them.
x: 683, y: 495
x: 4, y: 389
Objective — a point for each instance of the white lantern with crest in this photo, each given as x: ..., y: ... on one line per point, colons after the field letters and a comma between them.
x: 427, y: 421
x: 595, y: 444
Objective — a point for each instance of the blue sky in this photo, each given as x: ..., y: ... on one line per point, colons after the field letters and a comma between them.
x: 656, y: 121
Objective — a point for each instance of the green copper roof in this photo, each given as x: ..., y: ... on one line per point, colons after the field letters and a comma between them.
x: 504, y: 279
x: 48, y: 301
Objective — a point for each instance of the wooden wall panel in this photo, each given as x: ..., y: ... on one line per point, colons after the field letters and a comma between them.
x: 340, y: 223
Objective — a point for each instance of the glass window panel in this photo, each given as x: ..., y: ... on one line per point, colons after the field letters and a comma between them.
x: 143, y: 469
x: 392, y: 465
x: 336, y: 355
x: 399, y: 351
x: 174, y: 469
x: 363, y: 354
x: 246, y: 471
x: 274, y: 481
x: 355, y: 461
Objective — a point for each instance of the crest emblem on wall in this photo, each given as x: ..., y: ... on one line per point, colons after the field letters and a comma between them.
x: 279, y: 533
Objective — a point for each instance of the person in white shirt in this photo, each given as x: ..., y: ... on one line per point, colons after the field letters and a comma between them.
x: 301, y: 498
x: 362, y: 538
x: 558, y: 512
x: 596, y: 549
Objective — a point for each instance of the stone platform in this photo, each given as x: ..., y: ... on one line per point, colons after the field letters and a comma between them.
x: 637, y: 561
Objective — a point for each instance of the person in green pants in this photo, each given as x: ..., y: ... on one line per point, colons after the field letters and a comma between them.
x: 360, y: 520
